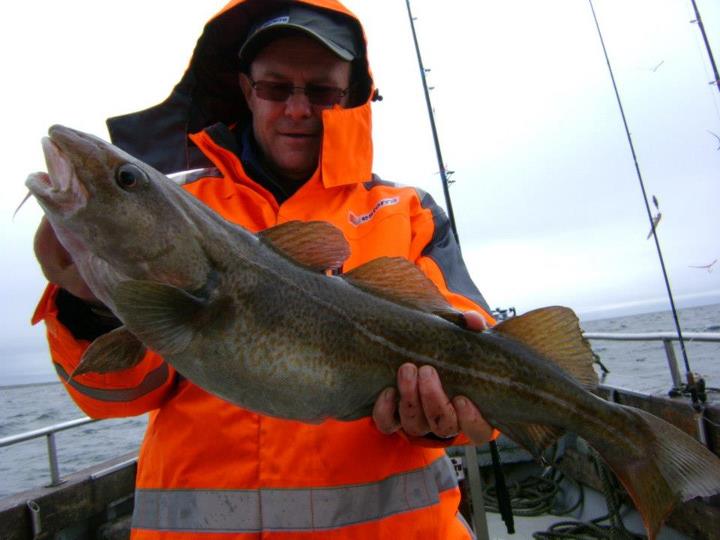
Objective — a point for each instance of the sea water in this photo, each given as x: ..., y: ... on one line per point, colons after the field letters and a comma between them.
x: 640, y: 366
x: 643, y: 365
x: 25, y: 408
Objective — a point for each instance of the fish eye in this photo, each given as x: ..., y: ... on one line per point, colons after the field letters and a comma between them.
x: 129, y: 176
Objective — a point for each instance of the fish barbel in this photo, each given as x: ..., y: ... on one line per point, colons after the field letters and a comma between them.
x: 257, y: 320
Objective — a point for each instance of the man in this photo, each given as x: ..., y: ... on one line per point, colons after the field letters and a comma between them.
x: 288, y: 138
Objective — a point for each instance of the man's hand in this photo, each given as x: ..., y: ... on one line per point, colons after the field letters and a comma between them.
x: 57, y: 264
x: 423, y: 406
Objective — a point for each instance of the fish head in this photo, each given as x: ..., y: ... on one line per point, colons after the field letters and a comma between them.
x: 118, y: 217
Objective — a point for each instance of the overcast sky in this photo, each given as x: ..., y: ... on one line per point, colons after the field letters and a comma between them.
x: 548, y: 205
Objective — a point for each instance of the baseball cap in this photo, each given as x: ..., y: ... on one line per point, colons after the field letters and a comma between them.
x: 332, y: 30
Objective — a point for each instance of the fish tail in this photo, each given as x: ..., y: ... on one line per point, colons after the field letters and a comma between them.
x: 660, y: 466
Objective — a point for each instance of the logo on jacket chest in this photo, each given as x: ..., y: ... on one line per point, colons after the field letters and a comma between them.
x: 364, y: 218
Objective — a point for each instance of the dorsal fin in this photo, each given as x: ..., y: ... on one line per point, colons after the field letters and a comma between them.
x: 316, y: 244
x: 555, y: 333
x: 400, y: 281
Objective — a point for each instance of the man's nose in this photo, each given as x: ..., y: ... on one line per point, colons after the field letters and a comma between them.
x: 298, y: 105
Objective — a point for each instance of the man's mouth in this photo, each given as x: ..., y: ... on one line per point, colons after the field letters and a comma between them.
x: 300, y: 135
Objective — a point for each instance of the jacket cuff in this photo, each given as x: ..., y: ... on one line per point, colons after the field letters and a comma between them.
x: 433, y: 441
x: 84, y: 321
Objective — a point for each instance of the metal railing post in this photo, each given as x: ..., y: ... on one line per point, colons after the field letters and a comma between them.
x: 672, y: 364
x: 52, y: 457
x: 479, y: 518
x: 49, y: 434
x: 35, y: 518
x: 667, y: 338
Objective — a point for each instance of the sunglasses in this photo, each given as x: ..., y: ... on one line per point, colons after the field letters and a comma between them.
x: 323, y: 96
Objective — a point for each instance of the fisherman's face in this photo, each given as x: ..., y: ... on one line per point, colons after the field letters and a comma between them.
x: 289, y: 133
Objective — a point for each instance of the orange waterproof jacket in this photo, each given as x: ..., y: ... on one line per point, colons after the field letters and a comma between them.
x: 211, y: 468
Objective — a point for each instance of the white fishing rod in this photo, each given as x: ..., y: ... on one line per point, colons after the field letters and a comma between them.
x: 701, y: 26
x: 504, y: 503
x: 692, y: 385
x: 436, y: 140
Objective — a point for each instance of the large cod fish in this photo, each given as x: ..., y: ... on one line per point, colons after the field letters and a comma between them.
x: 257, y: 320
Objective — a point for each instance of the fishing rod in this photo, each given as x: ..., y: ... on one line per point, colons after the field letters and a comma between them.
x: 692, y: 386
x: 438, y: 152
x: 701, y: 26
x: 478, y: 518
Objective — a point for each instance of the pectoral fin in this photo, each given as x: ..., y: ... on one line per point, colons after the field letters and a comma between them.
x: 400, y: 281
x: 114, y: 351
x: 163, y: 317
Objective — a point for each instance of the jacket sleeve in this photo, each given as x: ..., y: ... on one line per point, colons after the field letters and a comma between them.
x: 436, y: 252
x: 124, y: 393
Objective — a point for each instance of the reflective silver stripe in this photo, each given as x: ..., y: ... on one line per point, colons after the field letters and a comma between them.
x: 444, y: 249
x: 152, y: 381
x: 310, y: 509
x: 444, y: 473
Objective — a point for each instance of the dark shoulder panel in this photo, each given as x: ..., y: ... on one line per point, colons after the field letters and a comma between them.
x: 443, y: 247
x: 377, y: 181
x: 445, y: 251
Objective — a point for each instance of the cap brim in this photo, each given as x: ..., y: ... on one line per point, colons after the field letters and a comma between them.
x: 261, y: 38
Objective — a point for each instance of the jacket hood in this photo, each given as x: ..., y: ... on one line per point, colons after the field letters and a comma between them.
x: 209, y: 92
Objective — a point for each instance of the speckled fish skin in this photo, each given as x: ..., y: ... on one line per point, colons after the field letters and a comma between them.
x: 256, y: 321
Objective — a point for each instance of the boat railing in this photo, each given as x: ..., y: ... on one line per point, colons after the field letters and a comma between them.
x: 49, y: 433
x: 667, y: 338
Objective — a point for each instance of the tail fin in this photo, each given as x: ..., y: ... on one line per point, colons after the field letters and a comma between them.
x: 668, y: 467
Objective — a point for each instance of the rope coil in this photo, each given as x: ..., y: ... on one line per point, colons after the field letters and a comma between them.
x: 542, y: 494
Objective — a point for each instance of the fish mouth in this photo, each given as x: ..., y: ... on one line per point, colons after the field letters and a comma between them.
x: 58, y: 189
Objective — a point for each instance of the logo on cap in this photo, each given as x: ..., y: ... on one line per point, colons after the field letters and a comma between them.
x: 276, y: 20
